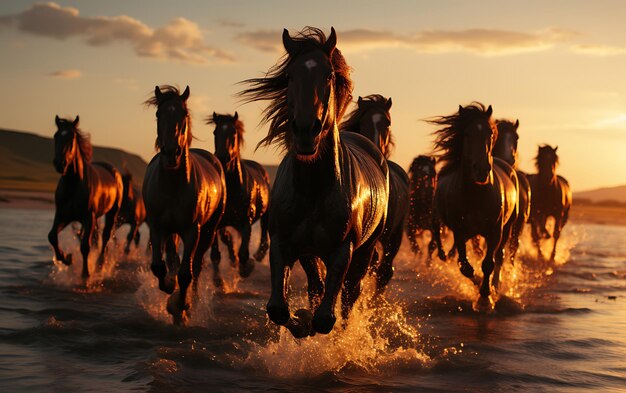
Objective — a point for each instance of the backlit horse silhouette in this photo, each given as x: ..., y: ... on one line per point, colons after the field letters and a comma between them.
x: 422, y: 183
x: 331, y: 190
x: 551, y: 197
x: 476, y: 194
x: 185, y: 195
x: 85, y: 191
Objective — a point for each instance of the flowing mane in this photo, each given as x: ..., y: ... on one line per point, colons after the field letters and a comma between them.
x: 171, y: 92
x: 273, y: 87
x: 219, y: 118
x: 83, y: 140
x: 449, y: 139
x: 352, y: 121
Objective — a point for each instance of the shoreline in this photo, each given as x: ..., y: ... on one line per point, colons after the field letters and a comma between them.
x: 582, y: 214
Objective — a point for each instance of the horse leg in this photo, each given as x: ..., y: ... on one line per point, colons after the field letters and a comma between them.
x: 337, y: 265
x: 354, y: 277
x: 109, y: 221
x: 246, y: 264
x: 315, y: 285
x: 385, y: 269
x: 280, y: 264
x: 157, y: 266
x: 53, y: 238
x: 131, y: 234
x: 432, y: 246
x: 216, y: 257
x: 227, y: 239
x: 85, y: 241
x: 466, y: 269
x: 411, y: 233
x: 435, y: 231
x: 534, y: 231
x: 514, y: 239
x: 505, y: 238
x: 557, y: 234
x: 177, y: 304
x: 207, y: 237
x: 173, y: 264
x: 493, y: 244
x: 263, y: 244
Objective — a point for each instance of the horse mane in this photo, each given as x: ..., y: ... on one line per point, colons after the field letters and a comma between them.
x: 83, y: 140
x: 449, y: 139
x: 352, y: 121
x: 541, y: 153
x: 273, y: 87
x: 227, y: 117
x: 171, y: 92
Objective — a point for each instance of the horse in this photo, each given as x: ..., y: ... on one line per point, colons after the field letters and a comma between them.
x: 372, y: 119
x: 551, y: 196
x: 476, y: 193
x: 132, y: 211
x: 505, y: 148
x: 85, y: 191
x: 329, y: 199
x: 422, y: 184
x: 185, y: 195
x: 248, y: 190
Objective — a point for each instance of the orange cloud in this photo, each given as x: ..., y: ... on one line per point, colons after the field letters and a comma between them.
x: 180, y: 40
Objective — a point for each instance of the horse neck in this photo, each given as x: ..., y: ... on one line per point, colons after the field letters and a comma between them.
x: 546, y: 176
x: 78, y: 168
x: 182, y: 175
x: 234, y: 171
x: 325, y: 171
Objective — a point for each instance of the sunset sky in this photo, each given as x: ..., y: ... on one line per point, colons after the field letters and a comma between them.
x: 557, y: 66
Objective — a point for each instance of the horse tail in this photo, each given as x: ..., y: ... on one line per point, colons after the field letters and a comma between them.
x: 119, y: 184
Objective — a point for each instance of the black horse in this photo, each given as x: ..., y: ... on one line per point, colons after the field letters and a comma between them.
x: 330, y: 194
x: 476, y: 194
x: 248, y: 190
x: 85, y: 191
x: 422, y: 183
x: 132, y: 212
x: 505, y: 148
x: 185, y: 194
x: 551, y: 196
x: 372, y: 119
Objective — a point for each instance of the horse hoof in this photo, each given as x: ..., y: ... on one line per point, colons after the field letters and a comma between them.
x: 167, y: 285
x: 442, y: 255
x: 218, y: 282
x: 261, y: 252
x: 245, y: 269
x: 85, y: 274
x: 484, y: 304
x: 176, y: 306
x: 278, y: 314
x: 301, y: 324
x: 323, y: 323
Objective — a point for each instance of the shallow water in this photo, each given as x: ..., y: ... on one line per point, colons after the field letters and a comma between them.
x: 560, y: 328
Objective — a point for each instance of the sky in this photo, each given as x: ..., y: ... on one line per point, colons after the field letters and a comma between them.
x: 557, y: 66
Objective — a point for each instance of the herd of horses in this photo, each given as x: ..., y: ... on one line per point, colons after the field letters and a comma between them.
x: 338, y: 204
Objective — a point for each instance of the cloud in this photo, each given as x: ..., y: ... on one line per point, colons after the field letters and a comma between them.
x: 223, y: 22
x: 66, y: 74
x: 180, y: 40
x: 599, y: 50
x: 486, y: 42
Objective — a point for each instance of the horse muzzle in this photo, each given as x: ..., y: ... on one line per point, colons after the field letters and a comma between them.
x: 169, y: 160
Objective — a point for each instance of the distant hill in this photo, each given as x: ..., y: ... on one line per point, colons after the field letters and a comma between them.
x: 26, y: 161
x: 617, y: 194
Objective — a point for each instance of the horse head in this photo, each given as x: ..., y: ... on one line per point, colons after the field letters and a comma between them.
x: 506, y: 144
x: 228, y: 136
x: 547, y: 160
x: 375, y: 121
x: 65, y: 144
x: 173, y: 125
x: 479, y: 136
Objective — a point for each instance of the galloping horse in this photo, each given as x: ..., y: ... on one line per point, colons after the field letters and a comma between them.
x: 551, y: 196
x: 422, y: 183
x: 185, y: 194
x: 133, y: 210
x: 85, y: 191
x: 476, y: 194
x: 248, y: 189
x: 506, y: 149
x: 372, y: 119
x: 330, y: 194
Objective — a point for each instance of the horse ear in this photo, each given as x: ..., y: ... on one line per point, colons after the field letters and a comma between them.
x: 389, y: 103
x: 516, y: 124
x: 288, y: 43
x: 76, y: 121
x: 236, y: 117
x: 555, y: 149
x: 57, y: 120
x: 331, y: 42
x: 433, y: 160
x: 460, y: 108
x: 185, y: 94
x: 157, y: 93
x: 489, y: 111
x: 359, y: 101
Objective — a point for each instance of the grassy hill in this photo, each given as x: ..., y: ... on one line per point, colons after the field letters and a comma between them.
x: 26, y: 161
x: 616, y: 194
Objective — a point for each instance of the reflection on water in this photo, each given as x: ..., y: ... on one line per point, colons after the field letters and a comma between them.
x: 555, y: 328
